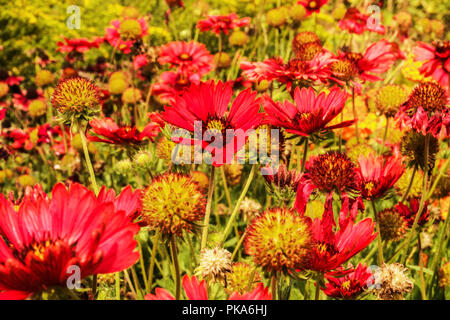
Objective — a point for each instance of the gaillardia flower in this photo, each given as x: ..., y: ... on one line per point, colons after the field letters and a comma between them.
x: 409, y: 213
x: 350, y: 285
x: 393, y: 225
x: 125, y: 33
x: 356, y: 22
x: 238, y: 278
x: 219, y: 24
x: 45, y: 237
x: 218, y: 131
x: 389, y: 99
x: 278, y: 239
x: 392, y: 281
x: 172, y: 203
x: 377, y: 175
x: 412, y: 146
x: 310, y: 114
x: 283, y: 184
x: 191, y: 57
x: 107, y: 131
x: 312, y: 5
x: 436, y: 58
x: 329, y: 247
x: 76, y: 97
x: 303, y: 38
x: 427, y: 110
x: 215, y: 264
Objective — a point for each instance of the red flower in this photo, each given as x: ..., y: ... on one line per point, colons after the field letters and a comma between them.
x: 356, y: 22
x: 46, y: 237
x: 350, y: 285
x: 310, y: 114
x: 426, y: 111
x: 409, y: 213
x: 78, y: 45
x: 127, y: 201
x: 378, y: 58
x: 295, y: 72
x: 377, y: 175
x: 436, y: 58
x: 196, y: 290
x: 208, y: 103
x: 172, y: 84
x: 218, y: 24
x: 192, y: 57
x: 331, y: 248
x: 23, y: 100
x: 120, y: 134
x: 122, y: 43
x: 312, y: 5
x: 259, y: 293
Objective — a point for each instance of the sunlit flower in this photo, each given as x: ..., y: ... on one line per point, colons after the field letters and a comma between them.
x: 409, y: 213
x: 412, y: 146
x: 356, y: 22
x: 427, y: 110
x: 377, y: 175
x: 303, y: 38
x: 208, y: 103
x: 225, y: 23
x: 310, y: 114
x: 125, y: 32
x: 436, y: 58
x: 278, y: 239
x: 312, y: 5
x: 172, y: 203
x: 238, y: 279
x: 191, y: 57
x: 392, y: 281
x: 349, y: 286
x: 393, y: 225
x: 107, y: 131
x: 73, y: 228
x: 389, y: 99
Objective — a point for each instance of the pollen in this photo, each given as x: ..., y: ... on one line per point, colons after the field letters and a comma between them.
x: 173, y: 203
x: 278, y: 239
x: 343, y: 69
x: 309, y: 51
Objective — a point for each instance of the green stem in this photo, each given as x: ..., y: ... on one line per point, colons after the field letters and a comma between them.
x: 317, y: 294
x: 305, y: 154
x: 208, y: 209
x: 177, y: 268
x: 238, y: 203
x: 152, y: 261
x: 88, y: 159
x: 225, y: 187
x: 411, y: 181
x: 423, y: 289
x: 141, y: 260
x: 422, y: 198
x: 385, y: 135
x: 439, y: 176
x: 380, y: 259
x: 236, y: 249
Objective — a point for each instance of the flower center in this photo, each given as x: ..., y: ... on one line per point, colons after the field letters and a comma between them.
x: 343, y: 69
x: 312, y: 4
x: 297, y: 65
x: 184, y: 56
x: 430, y: 96
x: 345, y: 285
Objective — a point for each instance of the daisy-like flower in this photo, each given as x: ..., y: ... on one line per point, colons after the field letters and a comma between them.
x: 295, y: 72
x: 208, y: 105
x: 107, y: 131
x: 278, y: 240
x: 356, y: 22
x: 191, y: 57
x: 409, y: 213
x: 79, y: 45
x: 310, y: 114
x: 172, y: 84
x: 9, y: 79
x: 173, y: 203
x: 427, y: 110
x: 283, y: 184
x: 377, y: 59
x: 350, y: 285
x: 78, y: 97
x: 222, y: 24
x: 312, y: 5
x: 377, y: 175
x: 331, y: 248
x: 196, y: 290
x: 215, y: 264
x: 303, y: 38
x: 43, y: 238
x: 23, y: 100
x: 125, y: 33
x: 436, y: 60
x: 330, y: 172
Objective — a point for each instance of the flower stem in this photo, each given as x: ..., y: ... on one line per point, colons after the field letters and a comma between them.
x: 208, y: 209
x: 422, y: 198
x: 305, y: 154
x: 117, y: 279
x: 177, y: 268
x: 384, y: 136
x: 152, y: 261
x: 236, y: 249
x: 225, y: 187
x: 141, y: 261
x: 380, y: 259
x: 88, y: 159
x: 274, y: 286
x: 238, y: 203
x: 410, y: 184
x: 355, y: 116
x: 423, y: 289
